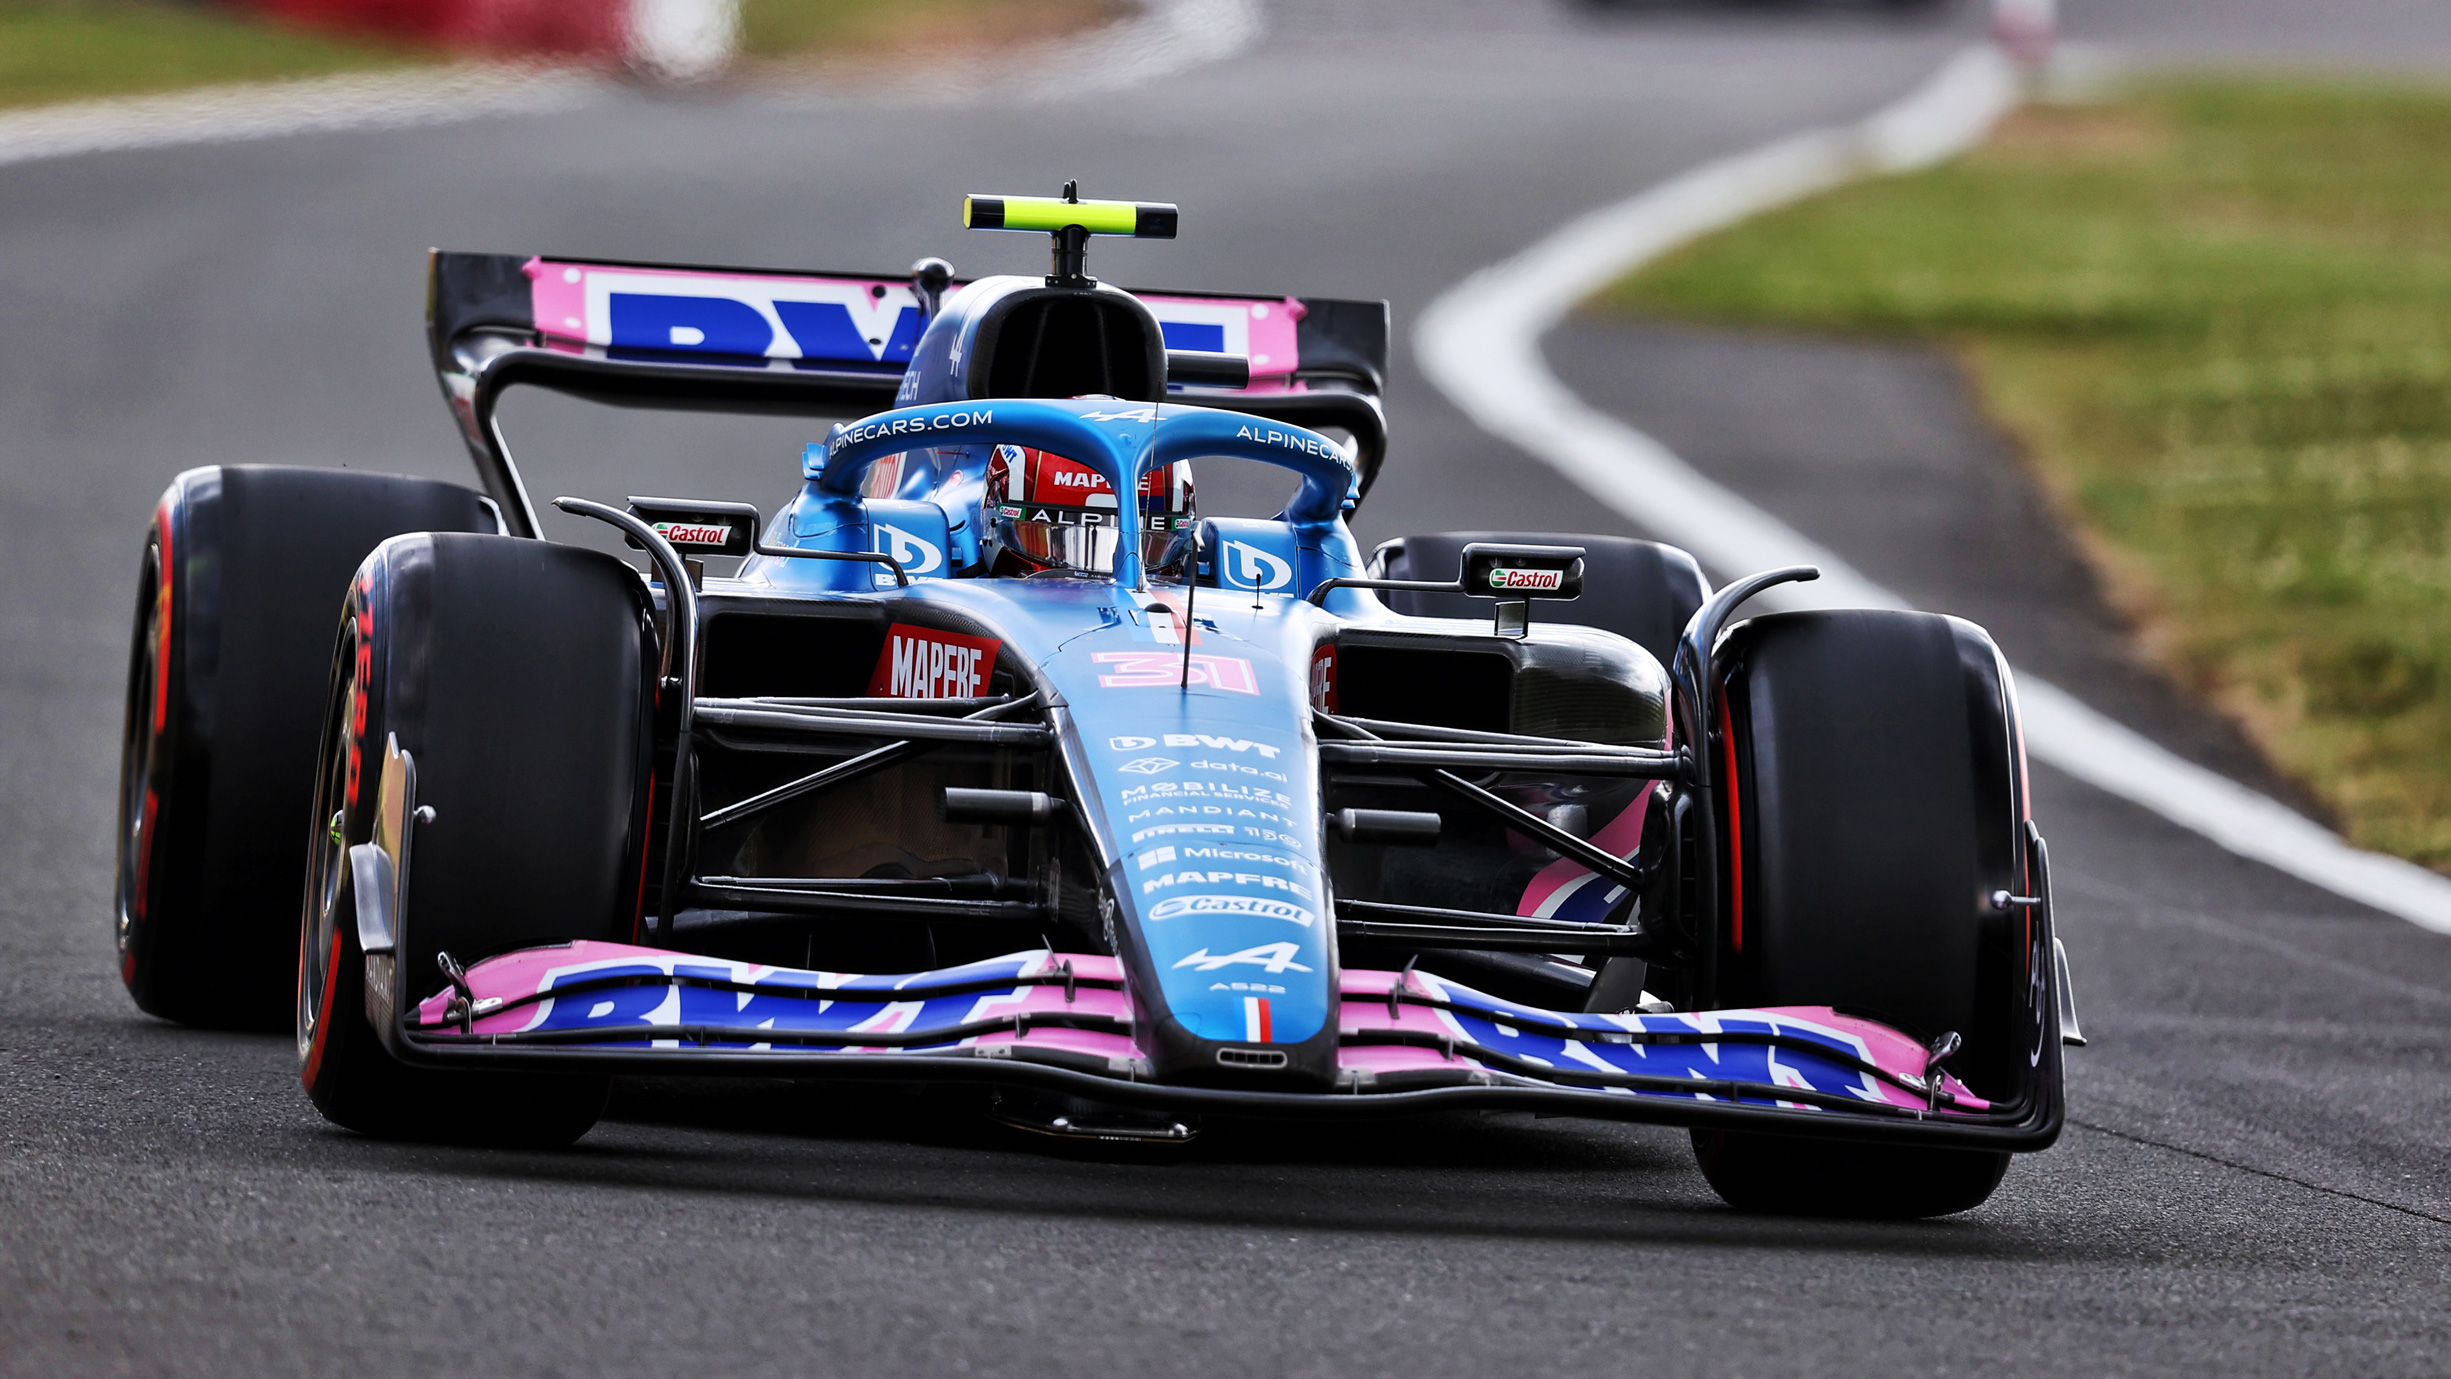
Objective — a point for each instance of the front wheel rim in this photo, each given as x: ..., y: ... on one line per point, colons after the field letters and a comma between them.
x: 319, y: 939
x: 139, y: 753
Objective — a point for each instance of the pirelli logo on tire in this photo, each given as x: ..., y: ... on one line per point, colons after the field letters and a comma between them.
x: 924, y: 663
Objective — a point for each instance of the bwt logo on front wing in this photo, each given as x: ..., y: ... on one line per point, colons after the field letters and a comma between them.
x: 1501, y: 577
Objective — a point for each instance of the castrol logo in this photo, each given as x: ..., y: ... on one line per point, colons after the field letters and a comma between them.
x: 694, y: 533
x: 1500, y: 577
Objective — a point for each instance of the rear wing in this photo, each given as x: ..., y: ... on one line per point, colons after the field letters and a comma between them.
x: 826, y: 344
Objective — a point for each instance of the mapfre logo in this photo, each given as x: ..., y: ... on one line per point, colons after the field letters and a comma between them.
x: 1500, y: 577
x: 923, y: 663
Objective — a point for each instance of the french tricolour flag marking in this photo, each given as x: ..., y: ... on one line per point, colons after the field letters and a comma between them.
x: 1255, y: 1019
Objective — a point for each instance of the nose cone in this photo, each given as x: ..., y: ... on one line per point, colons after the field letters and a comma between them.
x: 1211, y: 795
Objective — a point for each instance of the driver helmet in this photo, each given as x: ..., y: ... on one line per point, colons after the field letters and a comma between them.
x: 1052, y: 513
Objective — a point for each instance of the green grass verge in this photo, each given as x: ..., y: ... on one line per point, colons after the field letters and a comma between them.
x: 2217, y: 315
x: 57, y: 50
x: 806, y: 28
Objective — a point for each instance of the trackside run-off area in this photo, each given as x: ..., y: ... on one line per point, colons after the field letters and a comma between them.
x: 2212, y: 314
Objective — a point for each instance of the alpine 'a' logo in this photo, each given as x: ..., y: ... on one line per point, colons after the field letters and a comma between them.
x: 1268, y: 957
x: 1503, y: 577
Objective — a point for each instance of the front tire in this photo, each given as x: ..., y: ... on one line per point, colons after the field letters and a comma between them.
x: 518, y: 677
x: 1801, y: 1177
x: 1872, y: 800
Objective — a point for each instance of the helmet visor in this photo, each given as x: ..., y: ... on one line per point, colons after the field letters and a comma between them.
x: 1058, y: 514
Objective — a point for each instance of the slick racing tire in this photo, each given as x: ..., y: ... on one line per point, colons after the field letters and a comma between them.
x: 1805, y: 1177
x: 1872, y: 802
x: 518, y: 679
x: 243, y: 569
x: 1640, y: 590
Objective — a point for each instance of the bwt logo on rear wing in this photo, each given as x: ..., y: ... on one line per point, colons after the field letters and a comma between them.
x: 861, y: 321
x: 864, y: 322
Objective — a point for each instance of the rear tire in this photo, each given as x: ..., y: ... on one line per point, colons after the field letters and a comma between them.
x: 1877, y: 802
x: 243, y: 569
x: 519, y: 677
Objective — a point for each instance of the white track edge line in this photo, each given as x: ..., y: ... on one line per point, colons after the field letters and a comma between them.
x: 269, y: 110
x: 1480, y: 344
x: 1163, y: 38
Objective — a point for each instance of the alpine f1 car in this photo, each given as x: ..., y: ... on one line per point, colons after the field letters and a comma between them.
x: 991, y: 761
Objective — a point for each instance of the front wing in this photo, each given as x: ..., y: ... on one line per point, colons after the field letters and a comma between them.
x: 1063, y: 1021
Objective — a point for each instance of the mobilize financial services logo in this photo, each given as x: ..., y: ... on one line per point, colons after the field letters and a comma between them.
x: 1191, y: 792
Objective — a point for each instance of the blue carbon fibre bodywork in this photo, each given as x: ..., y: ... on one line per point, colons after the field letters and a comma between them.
x: 1198, y: 787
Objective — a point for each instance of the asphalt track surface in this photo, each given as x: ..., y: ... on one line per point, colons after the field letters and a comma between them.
x: 2255, y: 1179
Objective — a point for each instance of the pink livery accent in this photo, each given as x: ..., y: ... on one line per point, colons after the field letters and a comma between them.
x: 1397, y: 1058
x: 649, y: 996
x: 1261, y: 330
x: 1566, y: 881
x: 1884, y: 1047
x: 842, y: 320
x: 763, y: 314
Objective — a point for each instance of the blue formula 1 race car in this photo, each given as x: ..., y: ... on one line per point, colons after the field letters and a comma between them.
x: 993, y: 762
